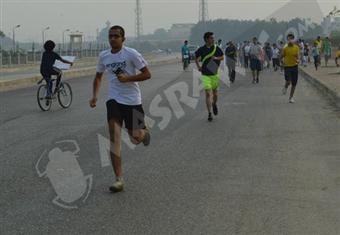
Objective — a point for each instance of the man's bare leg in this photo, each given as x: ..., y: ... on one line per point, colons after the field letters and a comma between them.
x: 287, y: 84
x: 208, y: 100
x: 215, y: 96
x: 214, y: 104
x: 115, y: 147
x: 254, y: 75
x: 292, y: 90
x: 208, y: 103
x: 137, y: 136
x: 115, y: 130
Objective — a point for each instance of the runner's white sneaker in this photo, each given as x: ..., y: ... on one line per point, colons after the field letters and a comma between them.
x: 291, y: 100
x: 117, y: 186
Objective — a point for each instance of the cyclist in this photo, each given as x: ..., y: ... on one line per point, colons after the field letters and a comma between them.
x: 47, y: 69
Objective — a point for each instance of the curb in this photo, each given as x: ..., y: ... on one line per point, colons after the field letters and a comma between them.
x: 325, y: 90
x: 8, y: 85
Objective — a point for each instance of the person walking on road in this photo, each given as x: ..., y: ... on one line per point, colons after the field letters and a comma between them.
x: 305, y: 55
x: 291, y: 61
x: 316, y: 55
x: 185, y: 55
x: 255, y: 60
x: 124, y: 102
x: 268, y: 54
x: 319, y: 44
x: 231, y: 54
x: 327, y: 50
x: 276, y: 57
x: 246, y: 54
x: 210, y: 56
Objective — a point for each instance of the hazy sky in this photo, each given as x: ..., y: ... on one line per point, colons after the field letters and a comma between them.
x: 88, y: 15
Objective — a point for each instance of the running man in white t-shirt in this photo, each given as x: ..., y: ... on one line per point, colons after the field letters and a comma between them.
x: 124, y: 102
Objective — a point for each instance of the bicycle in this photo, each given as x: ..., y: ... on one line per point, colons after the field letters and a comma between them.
x: 63, y: 93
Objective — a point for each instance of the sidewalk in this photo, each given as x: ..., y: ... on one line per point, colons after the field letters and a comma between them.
x: 326, y: 79
x: 24, y: 77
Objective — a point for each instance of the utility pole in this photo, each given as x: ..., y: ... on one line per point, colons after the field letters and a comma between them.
x: 203, y: 11
x: 139, y: 23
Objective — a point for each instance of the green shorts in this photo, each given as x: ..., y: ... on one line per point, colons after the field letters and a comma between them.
x: 210, y: 82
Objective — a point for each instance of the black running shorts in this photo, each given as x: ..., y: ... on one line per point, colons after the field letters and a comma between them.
x: 131, y: 115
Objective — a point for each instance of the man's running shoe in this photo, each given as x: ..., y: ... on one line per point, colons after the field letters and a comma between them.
x: 147, y: 137
x: 210, y: 118
x: 284, y: 90
x: 117, y: 187
x: 291, y: 100
x: 215, y: 109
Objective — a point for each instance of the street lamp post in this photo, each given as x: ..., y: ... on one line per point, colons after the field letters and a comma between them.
x: 66, y: 30
x: 17, y: 26
x: 43, y: 34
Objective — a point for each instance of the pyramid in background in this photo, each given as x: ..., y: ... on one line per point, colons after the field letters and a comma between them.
x: 299, y: 9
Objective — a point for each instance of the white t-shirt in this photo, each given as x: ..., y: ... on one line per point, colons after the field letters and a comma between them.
x: 247, y: 49
x: 276, y: 53
x: 255, y: 50
x: 129, y: 61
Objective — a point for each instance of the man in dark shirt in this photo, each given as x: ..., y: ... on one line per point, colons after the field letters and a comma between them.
x: 231, y: 54
x: 210, y: 55
x: 47, y: 69
x: 268, y: 54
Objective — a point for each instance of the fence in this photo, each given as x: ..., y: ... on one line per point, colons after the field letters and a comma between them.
x: 8, y: 59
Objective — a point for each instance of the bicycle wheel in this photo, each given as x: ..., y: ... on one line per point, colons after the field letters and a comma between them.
x: 65, y: 95
x: 44, y: 104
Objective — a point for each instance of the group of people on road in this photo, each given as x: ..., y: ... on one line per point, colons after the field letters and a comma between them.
x: 271, y: 52
x: 281, y: 56
x: 126, y: 67
x: 208, y: 58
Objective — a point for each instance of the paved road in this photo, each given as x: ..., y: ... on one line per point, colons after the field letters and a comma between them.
x: 263, y: 166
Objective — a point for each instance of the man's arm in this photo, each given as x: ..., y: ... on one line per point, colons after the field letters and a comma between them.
x: 219, y: 58
x: 96, y: 85
x: 58, y: 57
x: 220, y: 55
x: 66, y: 61
x: 144, y: 75
x: 197, y: 59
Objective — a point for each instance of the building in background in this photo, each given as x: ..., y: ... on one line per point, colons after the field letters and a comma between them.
x: 180, y: 31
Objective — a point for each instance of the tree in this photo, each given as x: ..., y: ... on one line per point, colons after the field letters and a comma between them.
x: 240, y: 30
x: 335, y: 37
x: 160, y: 34
x: 2, y: 35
